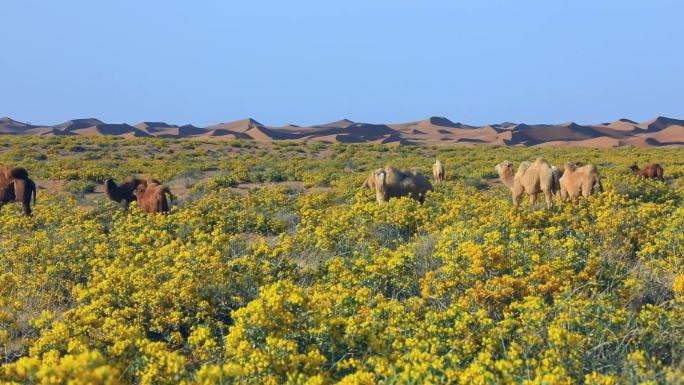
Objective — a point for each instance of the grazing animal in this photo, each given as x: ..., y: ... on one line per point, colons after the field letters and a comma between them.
x: 125, y: 192
x: 650, y: 171
x: 557, y: 174
x: 369, y: 183
x: 152, y: 197
x: 531, y: 178
x: 390, y: 182
x: 438, y: 171
x: 579, y: 180
x: 15, y: 185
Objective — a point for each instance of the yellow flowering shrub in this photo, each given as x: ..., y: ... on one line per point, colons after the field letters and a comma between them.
x: 305, y: 279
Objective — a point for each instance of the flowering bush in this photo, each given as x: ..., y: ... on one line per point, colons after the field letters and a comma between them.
x: 326, y: 286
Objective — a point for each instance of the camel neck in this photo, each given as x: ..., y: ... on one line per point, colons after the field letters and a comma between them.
x: 507, y: 179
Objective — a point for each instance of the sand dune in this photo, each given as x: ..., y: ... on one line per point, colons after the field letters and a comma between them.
x: 661, y: 131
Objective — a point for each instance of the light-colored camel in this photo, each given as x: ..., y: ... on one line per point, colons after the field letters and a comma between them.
x: 531, y: 178
x: 438, y: 172
x: 579, y: 180
x: 369, y: 183
x: 390, y: 182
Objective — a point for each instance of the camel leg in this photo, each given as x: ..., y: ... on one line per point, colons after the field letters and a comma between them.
x: 533, y: 199
x: 549, y: 199
x: 516, y: 194
x: 27, y: 208
x: 575, y: 194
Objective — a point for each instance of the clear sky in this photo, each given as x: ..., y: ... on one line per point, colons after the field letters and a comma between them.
x: 313, y: 61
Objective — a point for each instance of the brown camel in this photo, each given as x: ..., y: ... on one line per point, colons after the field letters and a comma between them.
x: 579, y: 180
x: 152, y: 197
x: 15, y: 185
x: 125, y: 192
x: 650, y: 171
x: 390, y: 182
x: 531, y: 178
x: 438, y: 172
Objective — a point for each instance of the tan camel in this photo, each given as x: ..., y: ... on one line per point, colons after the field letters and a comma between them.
x: 438, y: 172
x: 390, y: 182
x: 369, y: 183
x: 579, y: 180
x: 531, y: 178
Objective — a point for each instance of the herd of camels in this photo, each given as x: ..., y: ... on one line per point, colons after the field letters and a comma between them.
x: 539, y: 177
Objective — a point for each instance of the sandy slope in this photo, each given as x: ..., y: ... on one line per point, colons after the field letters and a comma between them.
x: 660, y: 131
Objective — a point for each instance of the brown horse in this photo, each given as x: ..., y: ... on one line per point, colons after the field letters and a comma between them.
x: 650, y: 171
x: 15, y: 185
x: 125, y: 192
x: 152, y: 197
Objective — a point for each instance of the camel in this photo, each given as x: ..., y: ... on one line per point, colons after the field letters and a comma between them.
x: 370, y: 182
x: 438, y: 171
x: 531, y: 178
x: 650, y: 171
x: 152, y: 197
x: 579, y: 180
x: 15, y: 185
x: 557, y: 174
x: 125, y: 192
x: 390, y: 182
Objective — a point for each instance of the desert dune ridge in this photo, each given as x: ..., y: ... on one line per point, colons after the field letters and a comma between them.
x: 658, y: 132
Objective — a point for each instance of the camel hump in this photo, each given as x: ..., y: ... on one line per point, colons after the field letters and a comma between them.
x: 19, y: 173
x: 524, y: 166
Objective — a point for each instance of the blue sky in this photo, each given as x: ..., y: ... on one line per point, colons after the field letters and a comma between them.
x: 307, y: 62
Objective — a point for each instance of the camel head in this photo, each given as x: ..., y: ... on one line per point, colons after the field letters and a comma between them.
x: 571, y: 166
x: 503, y: 166
x: 110, y: 185
x: 380, y: 176
x: 635, y: 169
x: 505, y: 171
x: 142, y: 187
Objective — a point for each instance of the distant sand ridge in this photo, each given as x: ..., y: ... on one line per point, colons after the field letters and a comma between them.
x: 661, y: 131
